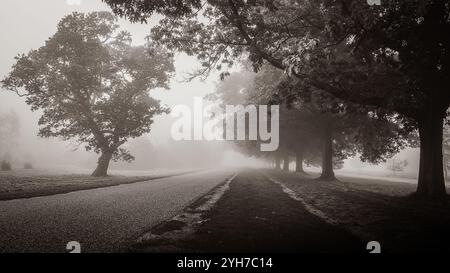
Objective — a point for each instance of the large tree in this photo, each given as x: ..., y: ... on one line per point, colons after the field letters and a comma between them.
x: 394, y: 55
x: 92, y: 85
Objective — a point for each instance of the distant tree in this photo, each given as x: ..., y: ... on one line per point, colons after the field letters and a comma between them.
x: 92, y: 85
x: 397, y: 165
x: 9, y: 133
x: 5, y: 165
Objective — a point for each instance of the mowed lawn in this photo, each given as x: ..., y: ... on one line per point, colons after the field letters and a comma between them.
x: 22, y: 183
x: 376, y: 209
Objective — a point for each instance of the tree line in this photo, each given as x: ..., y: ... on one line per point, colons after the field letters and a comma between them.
x: 320, y: 130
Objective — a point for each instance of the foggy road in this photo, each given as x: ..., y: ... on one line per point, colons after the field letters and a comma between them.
x: 101, y: 220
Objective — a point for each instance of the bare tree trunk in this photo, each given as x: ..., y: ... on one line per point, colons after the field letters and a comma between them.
x: 299, y: 161
x: 431, y: 176
x: 393, y: 166
x: 102, y: 165
x: 445, y: 173
x: 445, y: 169
x: 286, y: 162
x: 327, y: 156
x: 445, y: 163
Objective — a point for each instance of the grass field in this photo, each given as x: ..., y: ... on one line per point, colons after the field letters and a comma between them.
x: 377, y: 209
x: 22, y: 183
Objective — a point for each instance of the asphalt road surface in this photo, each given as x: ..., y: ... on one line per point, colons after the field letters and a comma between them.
x: 101, y: 220
x: 255, y: 215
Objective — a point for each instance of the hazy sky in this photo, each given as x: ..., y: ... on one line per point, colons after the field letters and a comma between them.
x: 26, y: 24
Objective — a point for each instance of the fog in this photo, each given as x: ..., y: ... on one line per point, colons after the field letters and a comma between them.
x: 27, y: 24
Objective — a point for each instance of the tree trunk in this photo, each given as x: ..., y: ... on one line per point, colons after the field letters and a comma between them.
x: 431, y: 176
x: 299, y: 162
x: 278, y: 163
x: 445, y: 173
x: 327, y: 156
x: 102, y: 165
x: 445, y: 167
x: 286, y: 163
x: 393, y: 166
